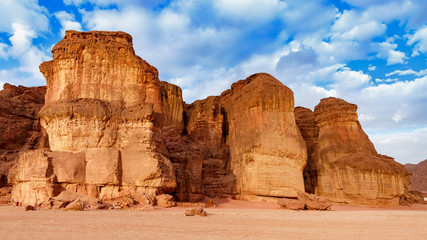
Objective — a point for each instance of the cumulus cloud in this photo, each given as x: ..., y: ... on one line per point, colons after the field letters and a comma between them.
x: 68, y: 22
x: 249, y: 11
x: 406, y: 146
x: 419, y: 40
x: 407, y: 72
x: 27, y: 13
x: 388, y: 52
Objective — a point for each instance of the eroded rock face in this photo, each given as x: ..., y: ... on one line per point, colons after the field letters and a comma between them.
x: 117, y: 132
x: 419, y: 176
x: 104, y: 104
x: 19, y: 125
x: 310, y: 132
x: 254, y: 145
x: 267, y: 152
x: 349, y: 170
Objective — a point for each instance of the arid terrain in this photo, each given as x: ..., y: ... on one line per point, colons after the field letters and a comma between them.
x: 231, y: 220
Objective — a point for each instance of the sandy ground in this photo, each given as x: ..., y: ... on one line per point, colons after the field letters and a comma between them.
x: 231, y: 220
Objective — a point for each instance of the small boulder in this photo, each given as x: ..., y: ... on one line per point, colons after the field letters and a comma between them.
x: 59, y: 204
x: 76, y: 205
x: 29, y: 208
x: 291, y: 204
x: 313, y: 202
x: 95, y: 206
x: 46, y: 205
x: 196, y: 211
x: 165, y: 200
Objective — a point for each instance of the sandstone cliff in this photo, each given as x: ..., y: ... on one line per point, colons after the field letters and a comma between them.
x: 419, y: 176
x: 19, y: 125
x: 348, y: 168
x: 116, y: 131
x: 104, y: 104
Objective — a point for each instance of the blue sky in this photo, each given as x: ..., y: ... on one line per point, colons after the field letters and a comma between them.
x: 371, y: 53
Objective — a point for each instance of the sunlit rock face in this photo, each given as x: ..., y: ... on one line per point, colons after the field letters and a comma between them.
x: 347, y: 167
x: 20, y: 128
x: 104, y: 102
x: 115, y: 130
x: 252, y: 139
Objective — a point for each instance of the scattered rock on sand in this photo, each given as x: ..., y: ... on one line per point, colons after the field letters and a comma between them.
x: 305, y: 201
x: 314, y: 202
x: 291, y: 204
x: 196, y: 211
x: 46, y: 205
x: 165, y: 200
x: 29, y: 208
x: 76, y: 205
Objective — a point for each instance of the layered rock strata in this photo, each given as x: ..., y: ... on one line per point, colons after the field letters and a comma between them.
x: 104, y: 103
x: 117, y: 132
x: 19, y: 125
x: 348, y: 168
x: 419, y: 176
x: 114, y: 128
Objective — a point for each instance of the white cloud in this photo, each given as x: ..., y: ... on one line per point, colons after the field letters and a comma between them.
x: 249, y: 11
x: 387, y: 51
x: 27, y: 13
x: 401, y: 72
x: 420, y: 73
x: 68, y: 22
x: 405, y: 146
x: 419, y: 40
x: 73, y: 2
x: 371, y: 67
x: 21, y: 39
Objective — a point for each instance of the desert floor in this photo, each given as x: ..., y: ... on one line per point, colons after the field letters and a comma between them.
x: 231, y: 220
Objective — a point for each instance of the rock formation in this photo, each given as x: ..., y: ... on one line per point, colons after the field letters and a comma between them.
x: 419, y: 176
x: 19, y: 125
x: 115, y: 129
x: 344, y: 165
x: 103, y: 114
x: 117, y: 133
x: 252, y: 139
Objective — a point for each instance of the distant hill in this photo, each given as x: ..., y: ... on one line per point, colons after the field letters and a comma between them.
x: 419, y: 176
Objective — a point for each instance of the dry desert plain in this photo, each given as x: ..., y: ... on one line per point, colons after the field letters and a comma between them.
x: 230, y: 220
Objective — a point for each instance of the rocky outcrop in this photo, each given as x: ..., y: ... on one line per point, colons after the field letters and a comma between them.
x: 116, y: 133
x: 419, y: 176
x: 349, y: 169
x: 103, y: 111
x: 19, y: 125
x: 310, y: 132
x: 267, y: 151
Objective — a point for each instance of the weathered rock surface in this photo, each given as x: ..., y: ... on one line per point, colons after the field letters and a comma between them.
x: 117, y: 133
x: 104, y: 114
x: 19, y: 125
x: 305, y: 201
x: 267, y: 152
x: 165, y: 201
x: 419, y: 176
x: 250, y: 132
x: 349, y: 170
x: 76, y: 205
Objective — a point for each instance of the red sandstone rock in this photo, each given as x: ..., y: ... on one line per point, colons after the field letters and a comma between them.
x: 76, y: 205
x: 19, y: 125
x: 115, y: 130
x: 291, y: 204
x: 419, y: 176
x: 313, y: 202
x: 195, y: 211
x: 250, y: 132
x: 349, y: 170
x: 165, y: 201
